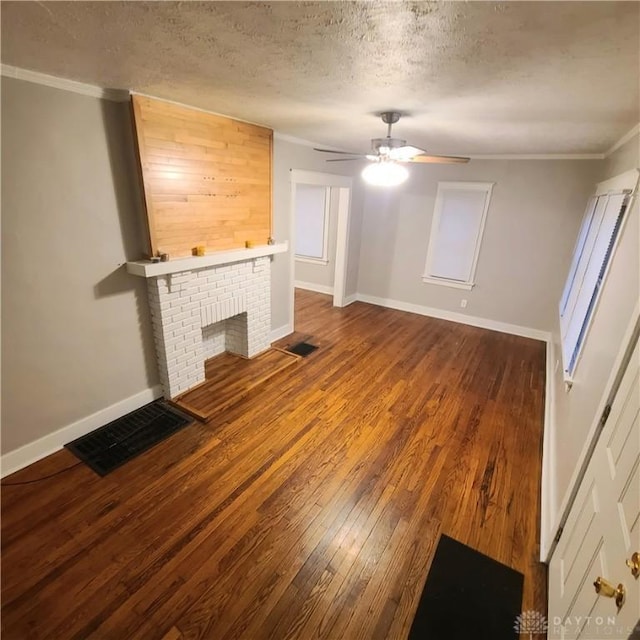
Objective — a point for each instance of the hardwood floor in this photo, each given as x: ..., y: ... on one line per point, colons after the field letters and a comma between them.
x: 310, y: 510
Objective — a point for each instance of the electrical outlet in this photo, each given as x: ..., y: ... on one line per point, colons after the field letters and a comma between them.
x: 463, y: 303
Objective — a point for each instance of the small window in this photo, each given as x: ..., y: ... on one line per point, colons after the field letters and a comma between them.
x: 312, y: 222
x: 591, y: 257
x: 456, y: 233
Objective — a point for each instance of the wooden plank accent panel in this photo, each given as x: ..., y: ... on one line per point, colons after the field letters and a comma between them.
x: 206, y: 178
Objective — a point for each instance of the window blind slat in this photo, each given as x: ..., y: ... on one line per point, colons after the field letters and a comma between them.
x: 575, y: 288
x: 577, y: 253
x: 599, y: 282
x: 590, y: 271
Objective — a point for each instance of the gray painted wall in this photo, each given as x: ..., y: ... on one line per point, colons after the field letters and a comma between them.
x: 76, y: 334
x: 532, y: 222
x: 622, y: 159
x: 575, y: 410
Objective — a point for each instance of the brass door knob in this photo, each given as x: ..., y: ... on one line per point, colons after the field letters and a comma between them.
x: 634, y: 564
x: 606, y: 589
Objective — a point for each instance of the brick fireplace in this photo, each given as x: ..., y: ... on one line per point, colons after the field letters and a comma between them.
x: 201, y: 307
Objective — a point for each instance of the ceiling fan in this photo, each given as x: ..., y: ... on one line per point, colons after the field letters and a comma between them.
x: 387, y: 152
x: 393, y: 148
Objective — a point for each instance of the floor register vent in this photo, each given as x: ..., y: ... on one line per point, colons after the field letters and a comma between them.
x: 109, y: 447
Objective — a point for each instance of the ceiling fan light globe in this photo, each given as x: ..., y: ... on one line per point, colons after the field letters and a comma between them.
x: 385, y: 174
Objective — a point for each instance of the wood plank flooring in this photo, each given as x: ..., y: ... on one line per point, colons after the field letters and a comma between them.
x: 231, y: 378
x: 310, y: 510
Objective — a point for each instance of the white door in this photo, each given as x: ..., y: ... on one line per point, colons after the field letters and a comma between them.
x: 602, y: 530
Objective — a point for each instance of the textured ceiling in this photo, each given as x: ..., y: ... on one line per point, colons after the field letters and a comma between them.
x: 476, y: 78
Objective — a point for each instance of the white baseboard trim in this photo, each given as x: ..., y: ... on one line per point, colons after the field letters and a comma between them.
x: 34, y: 451
x: 311, y: 286
x: 548, y: 484
x: 442, y: 314
x: 280, y: 332
x: 350, y: 299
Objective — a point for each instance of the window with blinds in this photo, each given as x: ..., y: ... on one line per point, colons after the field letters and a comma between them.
x: 456, y: 233
x: 595, y: 245
x: 312, y: 223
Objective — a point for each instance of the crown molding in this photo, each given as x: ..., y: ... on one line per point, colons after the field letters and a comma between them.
x: 284, y: 137
x: 625, y: 138
x: 116, y: 95
x: 537, y: 156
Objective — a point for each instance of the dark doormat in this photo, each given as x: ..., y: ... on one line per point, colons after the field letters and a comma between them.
x: 302, y: 349
x: 109, y: 447
x: 467, y: 595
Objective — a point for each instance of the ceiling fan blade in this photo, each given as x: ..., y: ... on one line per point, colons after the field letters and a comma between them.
x: 344, y: 153
x: 344, y: 159
x: 405, y: 152
x: 439, y: 159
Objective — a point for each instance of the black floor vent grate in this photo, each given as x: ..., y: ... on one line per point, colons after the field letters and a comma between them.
x: 302, y: 349
x: 109, y: 447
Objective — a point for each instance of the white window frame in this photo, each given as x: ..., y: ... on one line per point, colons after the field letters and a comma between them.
x: 324, y: 259
x: 571, y: 358
x: 428, y: 277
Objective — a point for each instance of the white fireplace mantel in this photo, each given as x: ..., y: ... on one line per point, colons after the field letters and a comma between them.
x: 202, y: 306
x: 148, y: 269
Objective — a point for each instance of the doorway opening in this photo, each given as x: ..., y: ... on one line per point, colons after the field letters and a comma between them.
x: 320, y: 211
